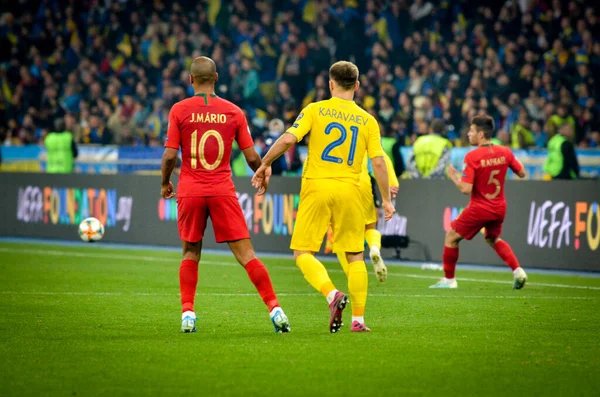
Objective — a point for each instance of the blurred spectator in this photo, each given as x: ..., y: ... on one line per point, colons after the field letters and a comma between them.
x: 521, y: 135
x: 61, y: 149
x: 562, y: 161
x: 431, y: 153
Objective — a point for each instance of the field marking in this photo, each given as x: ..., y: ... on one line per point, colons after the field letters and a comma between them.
x: 222, y: 263
x: 241, y: 294
x: 108, y: 256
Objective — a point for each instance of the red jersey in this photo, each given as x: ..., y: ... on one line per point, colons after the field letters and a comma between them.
x: 204, y: 127
x: 485, y: 168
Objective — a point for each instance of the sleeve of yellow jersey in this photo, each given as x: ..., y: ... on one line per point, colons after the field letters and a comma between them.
x: 391, y: 172
x: 374, y: 148
x: 303, y: 123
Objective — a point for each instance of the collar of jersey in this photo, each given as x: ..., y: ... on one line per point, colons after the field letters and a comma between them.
x: 204, y: 95
x: 342, y: 99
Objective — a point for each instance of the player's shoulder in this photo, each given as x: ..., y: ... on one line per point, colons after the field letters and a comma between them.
x: 502, y: 149
x: 226, y: 103
x: 313, y: 105
x: 371, y: 120
x: 472, y: 154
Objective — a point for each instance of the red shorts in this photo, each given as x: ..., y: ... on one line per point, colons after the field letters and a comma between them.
x: 225, y: 213
x: 472, y: 220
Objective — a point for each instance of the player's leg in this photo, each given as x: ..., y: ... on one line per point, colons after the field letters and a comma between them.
x: 449, y: 259
x: 372, y: 235
x: 312, y: 221
x: 188, y: 280
x: 466, y: 226
x: 259, y: 276
x: 358, y: 283
x: 315, y: 273
x: 230, y: 226
x: 505, y: 252
x: 191, y: 222
x: 348, y: 234
x: 373, y: 239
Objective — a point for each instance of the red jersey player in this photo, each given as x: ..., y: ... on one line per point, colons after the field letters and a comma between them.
x: 204, y: 127
x: 483, y: 177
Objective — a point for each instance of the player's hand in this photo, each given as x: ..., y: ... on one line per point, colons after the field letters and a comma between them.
x: 167, y: 191
x: 259, y: 178
x: 265, y: 185
x: 451, y: 171
x: 388, y: 209
x: 394, y: 191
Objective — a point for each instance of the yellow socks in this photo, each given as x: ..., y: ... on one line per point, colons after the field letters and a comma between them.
x: 373, y: 238
x: 343, y: 261
x: 315, y: 273
x: 358, y: 283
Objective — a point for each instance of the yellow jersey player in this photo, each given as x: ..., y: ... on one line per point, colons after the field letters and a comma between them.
x: 372, y: 235
x: 341, y: 133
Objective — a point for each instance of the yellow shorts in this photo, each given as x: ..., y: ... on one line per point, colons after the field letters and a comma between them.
x: 325, y: 202
x: 368, y: 203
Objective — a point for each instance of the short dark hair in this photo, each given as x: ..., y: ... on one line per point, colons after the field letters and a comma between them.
x: 438, y: 126
x: 484, y: 123
x: 345, y: 74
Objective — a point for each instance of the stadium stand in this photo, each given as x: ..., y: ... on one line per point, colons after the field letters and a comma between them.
x: 112, y: 69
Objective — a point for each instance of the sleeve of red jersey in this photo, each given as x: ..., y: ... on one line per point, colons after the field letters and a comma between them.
x: 243, y: 137
x: 468, y: 174
x: 514, y: 164
x: 173, y: 134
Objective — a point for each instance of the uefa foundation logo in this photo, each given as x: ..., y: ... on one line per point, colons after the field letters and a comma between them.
x: 69, y: 206
x: 558, y: 225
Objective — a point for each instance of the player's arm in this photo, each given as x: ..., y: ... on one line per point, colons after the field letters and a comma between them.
x: 394, y: 184
x: 246, y: 145
x: 169, y: 160
x: 380, y: 169
x: 293, y: 135
x: 281, y: 145
x: 516, y: 166
x: 464, y: 181
x: 252, y: 158
x: 170, y: 156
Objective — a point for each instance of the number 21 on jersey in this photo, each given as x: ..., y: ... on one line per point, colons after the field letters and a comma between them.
x: 198, y: 149
x: 333, y: 159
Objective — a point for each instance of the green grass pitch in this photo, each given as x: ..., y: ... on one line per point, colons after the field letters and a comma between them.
x: 89, y: 321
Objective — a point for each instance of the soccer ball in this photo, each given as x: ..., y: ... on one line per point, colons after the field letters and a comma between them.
x: 91, y: 230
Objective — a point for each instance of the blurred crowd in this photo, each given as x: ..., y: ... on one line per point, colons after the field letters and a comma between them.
x: 112, y: 69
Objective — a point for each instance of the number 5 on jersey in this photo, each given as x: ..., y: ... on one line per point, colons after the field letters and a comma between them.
x: 332, y: 126
x: 494, y: 181
x: 198, y: 148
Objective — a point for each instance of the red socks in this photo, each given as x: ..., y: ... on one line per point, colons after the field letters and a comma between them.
x: 260, y: 278
x: 505, y: 252
x: 449, y: 257
x: 188, y: 278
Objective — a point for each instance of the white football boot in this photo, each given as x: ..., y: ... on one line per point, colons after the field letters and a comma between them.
x: 378, y: 265
x: 445, y: 283
x: 520, y: 278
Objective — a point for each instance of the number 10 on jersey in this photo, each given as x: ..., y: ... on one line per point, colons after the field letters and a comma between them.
x: 337, y: 126
x: 199, y: 148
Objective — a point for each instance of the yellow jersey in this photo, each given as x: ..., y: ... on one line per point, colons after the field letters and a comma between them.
x: 341, y: 134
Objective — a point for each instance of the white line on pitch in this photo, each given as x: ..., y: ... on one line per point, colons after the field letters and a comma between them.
x: 221, y: 263
x: 241, y: 294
